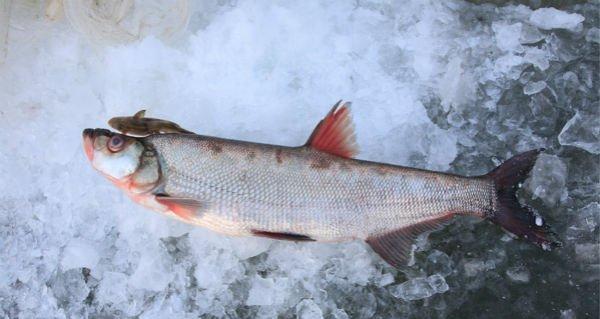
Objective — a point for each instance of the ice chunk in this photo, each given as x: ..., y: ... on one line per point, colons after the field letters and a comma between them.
x: 266, y: 292
x: 548, y: 179
x: 551, y: 18
x: 70, y: 287
x: 475, y: 266
x: 308, y: 309
x: 583, y: 131
x: 340, y: 314
x: 530, y: 34
x: 79, y: 253
x: 588, y: 253
x: 440, y: 263
x: 385, y: 280
x: 568, y: 314
x: 534, y: 87
x: 112, y: 288
x: 438, y: 284
x: 588, y: 218
x: 457, y: 85
x: 518, y: 274
x: 420, y: 287
x: 151, y: 273
x: 593, y: 35
x: 537, y: 57
x: 505, y: 36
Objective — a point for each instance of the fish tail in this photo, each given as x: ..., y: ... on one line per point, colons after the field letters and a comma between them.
x: 518, y: 219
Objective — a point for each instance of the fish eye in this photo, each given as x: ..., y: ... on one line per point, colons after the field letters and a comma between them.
x: 115, y: 143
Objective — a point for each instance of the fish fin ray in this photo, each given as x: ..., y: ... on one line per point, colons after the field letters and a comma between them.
x: 185, y: 208
x: 139, y: 114
x: 335, y: 133
x: 281, y: 236
x: 395, y: 247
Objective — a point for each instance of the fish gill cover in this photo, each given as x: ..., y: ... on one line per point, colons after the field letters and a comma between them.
x: 445, y: 85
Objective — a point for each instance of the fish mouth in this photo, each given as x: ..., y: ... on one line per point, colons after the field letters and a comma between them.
x: 89, y: 135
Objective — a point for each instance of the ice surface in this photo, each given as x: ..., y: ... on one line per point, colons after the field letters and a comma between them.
x: 583, y: 131
x: 445, y: 85
x: 551, y: 18
x: 518, y: 274
x: 548, y: 179
x: 534, y: 87
x: 420, y: 288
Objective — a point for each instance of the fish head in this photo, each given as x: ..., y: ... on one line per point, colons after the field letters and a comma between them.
x: 125, y: 160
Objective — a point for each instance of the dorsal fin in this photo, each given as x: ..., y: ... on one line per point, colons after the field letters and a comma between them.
x: 395, y: 246
x: 335, y: 133
x: 139, y: 114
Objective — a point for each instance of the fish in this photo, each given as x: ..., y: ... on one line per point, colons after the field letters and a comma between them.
x: 315, y: 192
x: 139, y: 125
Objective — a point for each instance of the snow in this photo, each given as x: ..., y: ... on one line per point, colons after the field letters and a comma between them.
x: 445, y: 85
x: 551, y: 18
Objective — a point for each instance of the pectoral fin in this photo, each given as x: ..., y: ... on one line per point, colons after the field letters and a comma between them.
x: 281, y: 236
x: 395, y: 246
x: 185, y: 208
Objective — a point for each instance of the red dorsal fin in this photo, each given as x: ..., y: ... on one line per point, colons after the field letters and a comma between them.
x: 335, y: 133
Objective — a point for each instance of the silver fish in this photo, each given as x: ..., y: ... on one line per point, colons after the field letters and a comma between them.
x: 315, y: 192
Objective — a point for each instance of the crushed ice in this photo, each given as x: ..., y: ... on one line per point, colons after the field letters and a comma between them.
x: 440, y: 85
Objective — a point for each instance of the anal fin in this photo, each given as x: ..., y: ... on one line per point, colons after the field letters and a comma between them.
x: 395, y: 246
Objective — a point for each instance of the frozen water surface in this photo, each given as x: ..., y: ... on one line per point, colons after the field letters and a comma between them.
x: 445, y: 85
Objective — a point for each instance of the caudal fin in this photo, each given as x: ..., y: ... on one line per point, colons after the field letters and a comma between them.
x: 510, y: 214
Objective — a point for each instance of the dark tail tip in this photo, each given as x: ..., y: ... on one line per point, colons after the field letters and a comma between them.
x: 518, y: 219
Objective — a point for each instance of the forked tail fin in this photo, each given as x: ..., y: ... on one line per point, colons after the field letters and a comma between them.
x: 510, y: 214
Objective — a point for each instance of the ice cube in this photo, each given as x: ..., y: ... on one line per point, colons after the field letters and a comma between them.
x: 266, y: 292
x: 551, y: 18
x: 583, y: 131
x: 440, y: 263
x: 588, y: 253
x: 505, y: 36
x: 79, y: 253
x: 518, y: 274
x: 420, y: 287
x: 548, y: 179
x: 438, y: 283
x: 593, y: 35
x: 534, y: 87
x: 308, y: 309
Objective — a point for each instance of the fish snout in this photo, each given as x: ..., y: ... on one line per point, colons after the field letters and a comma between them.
x: 88, y: 143
x: 89, y: 135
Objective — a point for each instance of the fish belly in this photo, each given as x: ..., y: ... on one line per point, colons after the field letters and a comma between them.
x: 246, y: 188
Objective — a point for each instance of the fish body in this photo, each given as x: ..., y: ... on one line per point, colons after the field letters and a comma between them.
x: 315, y: 192
x: 246, y: 188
